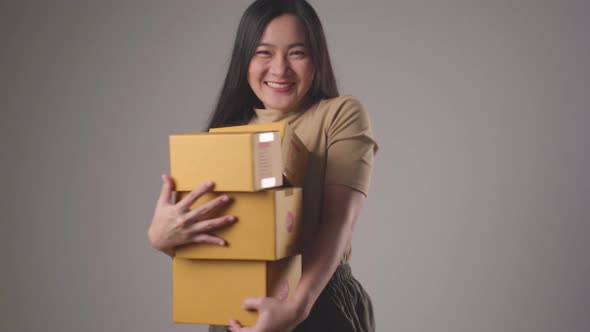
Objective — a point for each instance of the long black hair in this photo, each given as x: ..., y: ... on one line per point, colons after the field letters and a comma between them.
x: 237, y: 101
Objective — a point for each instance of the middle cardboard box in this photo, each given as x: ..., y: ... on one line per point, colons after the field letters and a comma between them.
x: 268, y: 226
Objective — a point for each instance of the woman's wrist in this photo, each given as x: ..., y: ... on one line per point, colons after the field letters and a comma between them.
x: 302, y: 304
x: 155, y: 243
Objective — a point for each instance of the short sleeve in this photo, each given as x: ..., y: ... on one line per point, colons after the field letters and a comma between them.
x: 351, y: 147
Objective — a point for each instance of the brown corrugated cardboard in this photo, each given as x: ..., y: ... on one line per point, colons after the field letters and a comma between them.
x: 294, y: 152
x: 213, y: 291
x: 268, y: 226
x: 235, y: 162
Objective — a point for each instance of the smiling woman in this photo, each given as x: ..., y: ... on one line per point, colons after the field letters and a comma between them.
x: 258, y: 50
x: 280, y: 70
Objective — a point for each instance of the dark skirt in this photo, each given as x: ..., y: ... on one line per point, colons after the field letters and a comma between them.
x: 342, y: 306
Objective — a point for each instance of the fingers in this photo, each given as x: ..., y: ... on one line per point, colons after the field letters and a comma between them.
x: 192, y: 197
x: 167, y: 189
x: 206, y: 226
x: 207, y: 238
x: 235, y: 326
x: 234, y: 323
x: 205, y: 208
x: 252, y: 303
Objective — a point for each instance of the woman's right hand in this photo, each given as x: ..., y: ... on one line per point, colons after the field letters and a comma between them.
x: 176, y: 224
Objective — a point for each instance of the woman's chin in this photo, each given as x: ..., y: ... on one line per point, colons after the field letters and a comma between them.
x: 280, y: 105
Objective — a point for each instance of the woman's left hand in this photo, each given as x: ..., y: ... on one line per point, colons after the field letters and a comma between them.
x: 273, y: 315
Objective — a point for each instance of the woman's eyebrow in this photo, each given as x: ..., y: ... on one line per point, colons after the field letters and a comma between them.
x: 290, y: 45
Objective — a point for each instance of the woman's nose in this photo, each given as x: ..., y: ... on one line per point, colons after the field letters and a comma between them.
x: 279, y: 66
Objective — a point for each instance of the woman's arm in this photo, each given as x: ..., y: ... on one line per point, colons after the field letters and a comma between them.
x: 341, y: 207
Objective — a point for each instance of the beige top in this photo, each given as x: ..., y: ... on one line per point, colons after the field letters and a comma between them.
x: 337, y: 133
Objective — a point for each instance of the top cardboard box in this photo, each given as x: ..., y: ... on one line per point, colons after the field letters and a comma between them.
x: 294, y: 154
x: 234, y: 161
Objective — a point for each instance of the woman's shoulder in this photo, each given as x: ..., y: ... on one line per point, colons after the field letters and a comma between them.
x: 332, y: 109
x: 347, y: 102
x: 342, y: 110
x: 334, y: 113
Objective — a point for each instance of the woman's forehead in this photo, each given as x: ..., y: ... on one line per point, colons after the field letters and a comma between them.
x: 285, y: 30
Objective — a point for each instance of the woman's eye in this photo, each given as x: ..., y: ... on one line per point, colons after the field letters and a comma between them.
x: 263, y: 52
x: 297, y: 53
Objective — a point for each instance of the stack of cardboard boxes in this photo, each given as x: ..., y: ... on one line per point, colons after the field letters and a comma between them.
x: 261, y: 167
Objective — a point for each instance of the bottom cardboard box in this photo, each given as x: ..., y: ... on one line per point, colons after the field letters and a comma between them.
x: 213, y: 291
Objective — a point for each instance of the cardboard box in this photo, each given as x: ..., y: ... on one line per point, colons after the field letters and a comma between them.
x: 213, y: 291
x: 294, y: 152
x: 268, y: 226
x: 235, y: 162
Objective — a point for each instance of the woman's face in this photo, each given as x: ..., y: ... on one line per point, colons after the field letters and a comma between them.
x: 281, y: 70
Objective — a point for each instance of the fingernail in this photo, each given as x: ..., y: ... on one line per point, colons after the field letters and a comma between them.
x: 231, y: 218
x: 225, y: 198
x: 209, y: 183
x: 221, y: 243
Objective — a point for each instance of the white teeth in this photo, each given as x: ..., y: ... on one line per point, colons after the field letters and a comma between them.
x: 277, y: 85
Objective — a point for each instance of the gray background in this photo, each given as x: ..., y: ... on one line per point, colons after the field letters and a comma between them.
x: 478, y: 218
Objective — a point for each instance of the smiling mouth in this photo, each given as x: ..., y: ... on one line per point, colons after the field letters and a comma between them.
x: 278, y: 85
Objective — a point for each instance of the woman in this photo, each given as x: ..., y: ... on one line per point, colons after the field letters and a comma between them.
x: 280, y: 70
